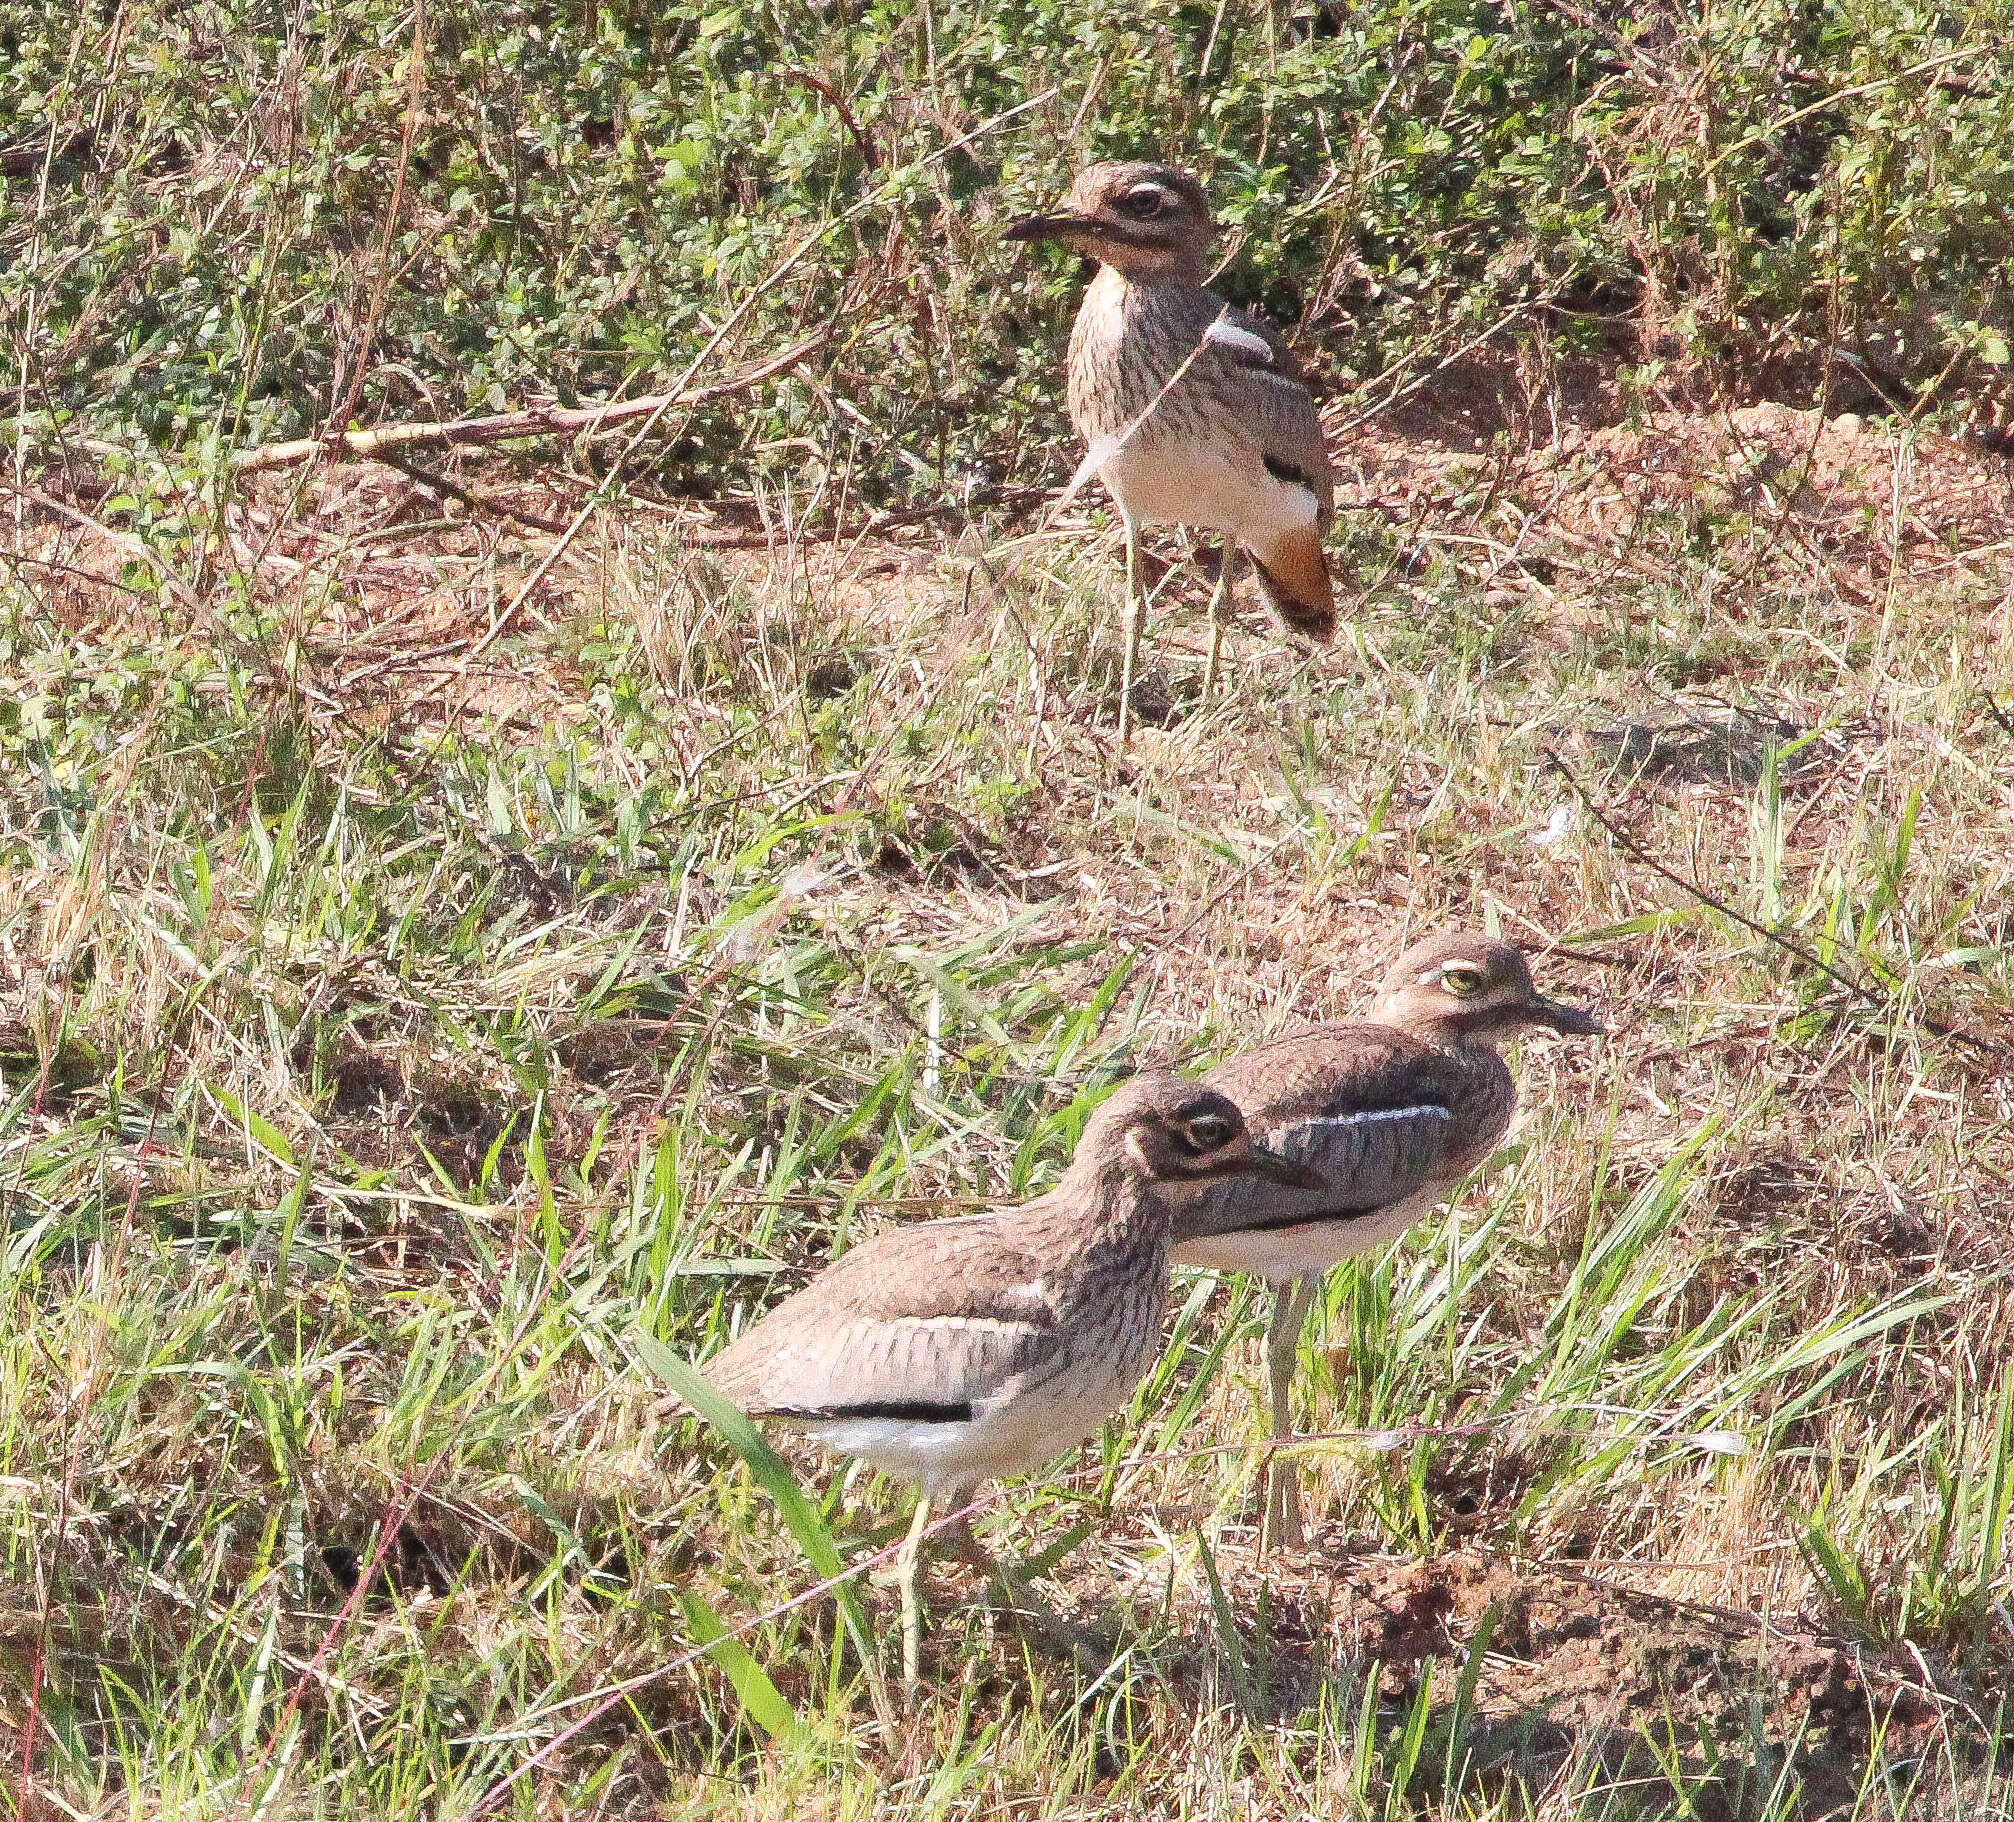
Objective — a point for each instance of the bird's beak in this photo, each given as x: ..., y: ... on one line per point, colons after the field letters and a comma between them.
x: 1276, y: 1169
x: 1056, y: 225
x: 1568, y: 1021
x: 1241, y: 1158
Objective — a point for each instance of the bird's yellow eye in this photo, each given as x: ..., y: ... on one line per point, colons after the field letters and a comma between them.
x: 1462, y: 980
x: 1209, y: 1132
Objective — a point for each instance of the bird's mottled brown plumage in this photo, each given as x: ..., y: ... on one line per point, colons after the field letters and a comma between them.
x: 952, y: 1351
x: 1391, y: 1111
x: 1390, y: 1117
x: 1207, y: 428
x: 1192, y: 411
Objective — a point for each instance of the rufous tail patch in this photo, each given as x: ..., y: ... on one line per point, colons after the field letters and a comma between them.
x: 1295, y: 577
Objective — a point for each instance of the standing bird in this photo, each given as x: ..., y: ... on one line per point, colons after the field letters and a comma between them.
x: 1192, y: 410
x: 1393, y: 1111
x: 953, y: 1351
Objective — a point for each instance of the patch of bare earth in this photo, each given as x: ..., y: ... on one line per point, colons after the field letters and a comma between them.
x: 1586, y: 1662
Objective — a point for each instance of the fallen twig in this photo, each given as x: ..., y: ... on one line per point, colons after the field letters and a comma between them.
x: 539, y: 420
x: 453, y: 490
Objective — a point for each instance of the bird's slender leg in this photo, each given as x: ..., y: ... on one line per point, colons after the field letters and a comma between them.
x: 909, y: 1565
x: 1134, y: 618
x: 1220, y: 612
x: 1291, y: 1303
x: 1025, y: 1604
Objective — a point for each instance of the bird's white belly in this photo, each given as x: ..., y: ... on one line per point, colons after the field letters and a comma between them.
x: 1164, y: 479
x: 947, y: 1454
x: 1280, y: 1254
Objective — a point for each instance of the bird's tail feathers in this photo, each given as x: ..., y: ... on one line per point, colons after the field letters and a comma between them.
x: 1294, y: 577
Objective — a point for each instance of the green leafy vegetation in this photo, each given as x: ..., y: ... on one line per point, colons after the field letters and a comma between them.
x: 226, y: 222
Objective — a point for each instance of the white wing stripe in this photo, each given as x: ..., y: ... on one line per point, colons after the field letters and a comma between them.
x: 1345, y: 1144
x: 963, y: 1325
x: 1240, y: 341
x: 1426, y: 1110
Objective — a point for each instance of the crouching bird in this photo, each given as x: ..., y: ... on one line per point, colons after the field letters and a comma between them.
x: 951, y: 1352
x: 1193, y: 411
x: 1393, y: 1112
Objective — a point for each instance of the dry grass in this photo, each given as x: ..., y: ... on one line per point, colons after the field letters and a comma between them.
x: 410, y: 1001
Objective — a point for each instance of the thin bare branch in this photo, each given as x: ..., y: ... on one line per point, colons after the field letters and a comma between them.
x: 503, y: 426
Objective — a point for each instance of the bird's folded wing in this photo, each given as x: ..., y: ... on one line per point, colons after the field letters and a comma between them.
x: 1370, y: 1159
x: 1275, y: 404
x: 914, y: 1321
x: 916, y: 1367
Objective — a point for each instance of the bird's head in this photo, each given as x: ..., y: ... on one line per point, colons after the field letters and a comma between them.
x: 1471, y: 989
x: 1147, y: 220
x: 1176, y: 1134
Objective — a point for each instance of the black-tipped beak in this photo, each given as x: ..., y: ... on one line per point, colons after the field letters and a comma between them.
x: 1242, y: 1158
x: 1276, y: 1169
x: 1053, y: 226
x: 1570, y: 1021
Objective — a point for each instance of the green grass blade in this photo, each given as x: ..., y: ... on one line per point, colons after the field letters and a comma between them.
x: 814, y: 1537
x: 765, y: 1703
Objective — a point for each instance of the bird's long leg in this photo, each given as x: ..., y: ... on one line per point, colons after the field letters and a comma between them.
x: 909, y: 1566
x: 1220, y: 612
x: 1291, y: 1303
x: 1026, y: 1605
x: 1135, y: 617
